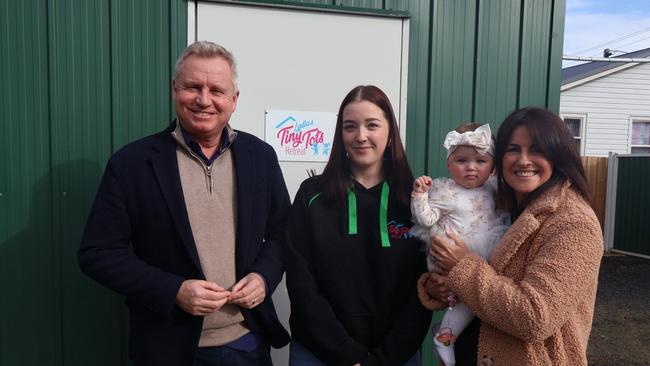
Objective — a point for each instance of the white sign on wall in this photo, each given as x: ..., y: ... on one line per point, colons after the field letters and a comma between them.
x: 300, y: 135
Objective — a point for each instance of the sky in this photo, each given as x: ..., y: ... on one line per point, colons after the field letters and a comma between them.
x: 593, y: 25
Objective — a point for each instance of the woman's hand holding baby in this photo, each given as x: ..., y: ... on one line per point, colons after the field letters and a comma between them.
x: 448, y: 251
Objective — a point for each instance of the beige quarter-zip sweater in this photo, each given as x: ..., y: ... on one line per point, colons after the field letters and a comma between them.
x: 210, y: 199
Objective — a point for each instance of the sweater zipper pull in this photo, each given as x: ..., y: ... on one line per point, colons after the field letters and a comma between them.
x: 208, y: 173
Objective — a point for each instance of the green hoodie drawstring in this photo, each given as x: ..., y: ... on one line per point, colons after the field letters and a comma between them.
x: 383, y: 214
x: 352, y: 212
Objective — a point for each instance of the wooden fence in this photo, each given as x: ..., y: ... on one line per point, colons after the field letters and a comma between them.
x: 596, y: 171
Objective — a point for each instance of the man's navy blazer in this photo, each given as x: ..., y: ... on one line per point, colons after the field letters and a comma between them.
x: 138, y: 242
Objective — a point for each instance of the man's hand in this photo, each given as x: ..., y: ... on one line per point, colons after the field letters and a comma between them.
x: 201, y: 298
x: 422, y: 184
x: 249, y: 292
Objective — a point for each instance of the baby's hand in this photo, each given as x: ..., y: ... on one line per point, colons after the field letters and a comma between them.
x: 422, y: 184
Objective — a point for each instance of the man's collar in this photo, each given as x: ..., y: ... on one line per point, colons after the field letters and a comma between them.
x: 228, y: 136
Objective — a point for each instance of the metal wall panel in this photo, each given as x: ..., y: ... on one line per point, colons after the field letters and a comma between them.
x: 496, y: 60
x: 535, y: 49
x: 30, y: 298
x: 143, y: 93
x: 555, y: 56
x: 417, y: 108
x: 298, y: 2
x: 84, y: 78
x: 366, y: 4
x: 321, y: 2
x: 451, y: 75
x: 631, y: 229
x: 80, y: 95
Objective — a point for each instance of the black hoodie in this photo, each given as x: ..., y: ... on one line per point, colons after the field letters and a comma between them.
x: 353, y: 295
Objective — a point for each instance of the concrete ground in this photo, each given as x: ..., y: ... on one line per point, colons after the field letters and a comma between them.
x: 621, y: 327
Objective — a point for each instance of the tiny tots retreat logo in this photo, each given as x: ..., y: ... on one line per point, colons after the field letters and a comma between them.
x: 302, y: 136
x: 299, y: 137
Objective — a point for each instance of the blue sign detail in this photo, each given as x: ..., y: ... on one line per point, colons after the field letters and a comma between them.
x: 305, y: 123
x: 290, y: 118
x: 326, y: 148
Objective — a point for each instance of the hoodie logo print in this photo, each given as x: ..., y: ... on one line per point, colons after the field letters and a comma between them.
x: 398, y: 231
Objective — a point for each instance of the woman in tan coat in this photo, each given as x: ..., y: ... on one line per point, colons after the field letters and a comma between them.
x: 535, y: 297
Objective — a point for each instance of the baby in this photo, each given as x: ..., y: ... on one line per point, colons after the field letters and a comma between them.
x: 464, y: 204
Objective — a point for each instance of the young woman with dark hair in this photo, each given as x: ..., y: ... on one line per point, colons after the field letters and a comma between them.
x: 535, y: 297
x: 337, y: 172
x: 351, y: 264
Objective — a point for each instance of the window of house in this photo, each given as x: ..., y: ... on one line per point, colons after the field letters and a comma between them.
x: 576, y: 125
x: 640, y: 141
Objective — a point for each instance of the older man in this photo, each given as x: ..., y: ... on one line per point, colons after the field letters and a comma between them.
x: 204, y: 208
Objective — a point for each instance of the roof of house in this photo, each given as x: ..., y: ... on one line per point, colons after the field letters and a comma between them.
x: 578, y: 72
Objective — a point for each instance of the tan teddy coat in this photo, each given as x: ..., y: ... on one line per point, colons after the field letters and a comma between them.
x: 536, y: 297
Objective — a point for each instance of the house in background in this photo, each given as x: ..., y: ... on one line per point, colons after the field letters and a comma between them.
x: 607, y: 105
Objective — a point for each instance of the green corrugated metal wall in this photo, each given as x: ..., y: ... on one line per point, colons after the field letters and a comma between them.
x: 80, y: 79
x: 485, y: 59
x: 28, y: 288
x: 631, y: 229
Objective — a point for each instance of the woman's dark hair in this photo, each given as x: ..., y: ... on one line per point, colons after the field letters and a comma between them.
x: 336, y: 176
x: 555, y: 141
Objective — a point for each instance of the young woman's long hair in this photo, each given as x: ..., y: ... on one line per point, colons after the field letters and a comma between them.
x: 336, y: 177
x: 554, y: 139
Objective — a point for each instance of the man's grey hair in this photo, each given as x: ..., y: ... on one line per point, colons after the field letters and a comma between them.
x: 207, y: 49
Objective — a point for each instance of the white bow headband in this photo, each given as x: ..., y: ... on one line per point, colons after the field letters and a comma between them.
x: 480, y: 139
